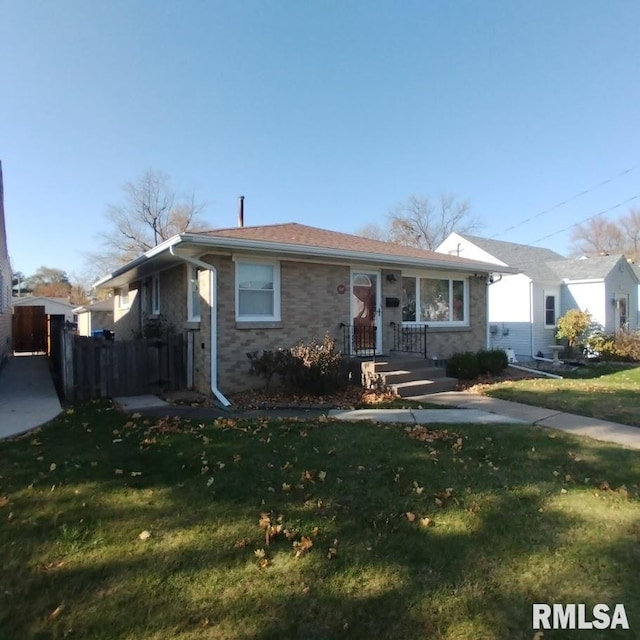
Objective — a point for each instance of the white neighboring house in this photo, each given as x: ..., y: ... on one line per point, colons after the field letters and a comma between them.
x: 524, y: 308
x: 95, y: 316
x: 52, y: 306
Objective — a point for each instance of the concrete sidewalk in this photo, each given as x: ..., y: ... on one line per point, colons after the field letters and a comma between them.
x: 463, y: 408
x: 28, y: 398
x: 540, y: 417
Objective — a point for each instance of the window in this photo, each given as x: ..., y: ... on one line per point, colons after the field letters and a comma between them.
x: 155, y: 294
x: 257, y: 291
x: 434, y: 300
x: 550, y: 311
x: 193, y: 294
x: 123, y: 297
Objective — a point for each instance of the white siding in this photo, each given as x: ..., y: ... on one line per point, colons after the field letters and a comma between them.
x: 621, y: 281
x: 587, y: 296
x: 509, y: 299
x: 455, y: 245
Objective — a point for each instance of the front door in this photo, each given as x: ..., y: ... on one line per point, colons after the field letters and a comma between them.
x: 366, y: 339
x: 622, y: 311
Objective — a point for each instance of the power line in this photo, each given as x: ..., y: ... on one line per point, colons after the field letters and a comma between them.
x: 561, y: 204
x: 595, y: 215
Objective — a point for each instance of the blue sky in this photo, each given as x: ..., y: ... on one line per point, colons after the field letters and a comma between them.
x: 325, y: 112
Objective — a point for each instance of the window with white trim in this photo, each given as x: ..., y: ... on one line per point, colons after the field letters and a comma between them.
x: 257, y: 291
x: 155, y: 294
x: 438, y: 301
x: 193, y: 294
x: 549, y: 311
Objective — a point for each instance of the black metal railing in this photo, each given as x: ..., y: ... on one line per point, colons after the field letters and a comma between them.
x: 359, y: 339
x: 410, y: 338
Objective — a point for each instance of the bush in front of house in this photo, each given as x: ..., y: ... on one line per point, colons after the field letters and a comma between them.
x: 574, y: 326
x: 467, y: 365
x: 492, y: 361
x: 622, y: 346
x: 463, y: 365
x: 314, y: 367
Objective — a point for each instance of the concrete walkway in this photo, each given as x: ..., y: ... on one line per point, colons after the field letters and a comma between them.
x: 464, y: 407
x: 523, y: 413
x: 28, y: 398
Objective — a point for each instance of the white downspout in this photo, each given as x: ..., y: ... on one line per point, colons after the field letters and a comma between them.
x: 531, y: 317
x: 214, y: 322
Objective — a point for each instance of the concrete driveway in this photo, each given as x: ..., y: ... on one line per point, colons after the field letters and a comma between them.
x: 28, y: 398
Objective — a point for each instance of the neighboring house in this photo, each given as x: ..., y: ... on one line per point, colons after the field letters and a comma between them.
x: 233, y: 291
x: 37, y: 321
x: 524, y: 308
x: 5, y: 284
x: 96, y: 316
x: 52, y: 306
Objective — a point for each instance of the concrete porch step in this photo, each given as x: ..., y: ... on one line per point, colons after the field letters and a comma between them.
x: 407, y: 375
x: 423, y: 387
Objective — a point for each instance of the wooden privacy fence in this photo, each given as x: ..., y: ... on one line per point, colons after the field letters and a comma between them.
x: 97, y: 368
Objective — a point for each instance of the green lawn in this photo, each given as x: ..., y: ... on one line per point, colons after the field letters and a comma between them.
x: 371, y: 533
x: 596, y: 392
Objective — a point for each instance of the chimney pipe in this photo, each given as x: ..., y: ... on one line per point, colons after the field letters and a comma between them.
x: 241, y: 211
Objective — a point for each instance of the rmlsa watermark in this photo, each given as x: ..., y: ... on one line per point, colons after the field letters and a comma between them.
x: 579, y: 616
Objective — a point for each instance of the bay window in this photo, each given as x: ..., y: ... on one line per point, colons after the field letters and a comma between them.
x: 436, y: 300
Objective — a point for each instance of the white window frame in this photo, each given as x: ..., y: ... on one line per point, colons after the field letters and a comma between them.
x: 193, y: 274
x: 124, y: 300
x: 155, y: 294
x: 451, y: 277
x: 555, y: 310
x: 275, y: 317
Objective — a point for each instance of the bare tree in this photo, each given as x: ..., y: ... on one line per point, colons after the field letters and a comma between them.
x: 150, y: 213
x: 630, y: 224
x: 597, y: 236
x: 419, y: 222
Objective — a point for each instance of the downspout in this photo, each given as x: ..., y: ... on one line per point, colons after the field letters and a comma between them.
x: 490, y: 280
x: 531, y: 316
x: 214, y: 322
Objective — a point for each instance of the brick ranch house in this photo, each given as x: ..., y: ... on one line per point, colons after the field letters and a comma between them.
x: 237, y: 290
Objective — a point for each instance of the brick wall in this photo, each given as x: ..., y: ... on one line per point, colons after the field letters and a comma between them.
x: 311, y: 306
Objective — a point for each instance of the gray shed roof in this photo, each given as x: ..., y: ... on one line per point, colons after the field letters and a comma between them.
x: 592, y: 268
x: 532, y: 261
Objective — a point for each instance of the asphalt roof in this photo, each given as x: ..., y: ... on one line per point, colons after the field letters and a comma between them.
x: 293, y: 233
x: 532, y: 261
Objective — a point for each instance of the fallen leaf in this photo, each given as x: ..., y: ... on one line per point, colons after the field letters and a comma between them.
x: 136, y: 473
x: 286, y: 487
x: 53, y: 466
x: 118, y: 472
x: 259, y: 553
x: 4, y: 501
x: 56, y: 612
x: 302, y: 546
x: 144, y: 535
x: 410, y: 516
x: 426, y: 522
x: 322, y: 475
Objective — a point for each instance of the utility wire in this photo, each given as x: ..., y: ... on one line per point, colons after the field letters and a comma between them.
x: 595, y: 215
x: 561, y: 204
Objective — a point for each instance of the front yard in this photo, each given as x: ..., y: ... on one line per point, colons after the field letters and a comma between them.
x: 597, y: 392
x: 113, y: 526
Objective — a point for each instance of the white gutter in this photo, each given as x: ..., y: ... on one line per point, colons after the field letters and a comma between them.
x: 447, y: 263
x: 214, y: 322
